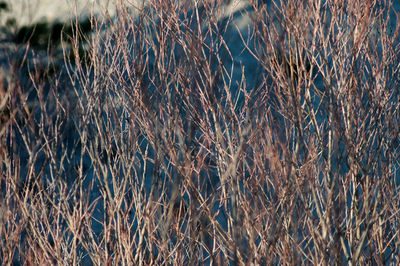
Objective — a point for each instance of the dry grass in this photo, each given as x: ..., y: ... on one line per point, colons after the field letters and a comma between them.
x: 156, y: 148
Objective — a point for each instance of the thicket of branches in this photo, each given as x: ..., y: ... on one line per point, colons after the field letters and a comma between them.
x: 155, y: 147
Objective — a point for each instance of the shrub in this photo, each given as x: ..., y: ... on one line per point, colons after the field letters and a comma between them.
x: 197, y: 134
